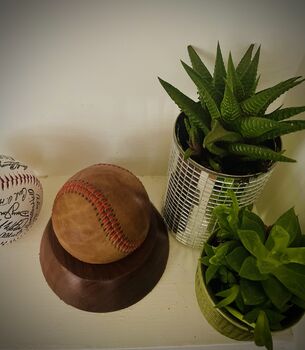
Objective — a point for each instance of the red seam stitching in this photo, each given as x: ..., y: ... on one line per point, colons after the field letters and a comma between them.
x: 18, y: 179
x: 105, y: 213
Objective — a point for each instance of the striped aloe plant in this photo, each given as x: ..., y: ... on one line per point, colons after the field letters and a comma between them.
x: 230, y: 122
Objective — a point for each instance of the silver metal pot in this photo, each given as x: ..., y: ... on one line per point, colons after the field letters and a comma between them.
x: 193, y: 191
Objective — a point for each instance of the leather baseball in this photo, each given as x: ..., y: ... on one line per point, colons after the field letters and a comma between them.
x: 101, y: 214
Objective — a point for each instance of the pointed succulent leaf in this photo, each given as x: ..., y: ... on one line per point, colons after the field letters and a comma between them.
x: 188, y: 153
x: 211, y: 273
x: 293, y: 280
x: 221, y: 251
x: 290, y: 222
x: 276, y: 292
x: 198, y: 65
x: 229, y: 296
x: 245, y: 61
x: 248, y: 79
x: 252, y: 242
x: 230, y: 109
x: 216, y: 150
x: 257, y: 152
x: 219, y: 133
x: 208, y: 249
x: 299, y: 302
x: 284, y: 128
x: 258, y: 103
x: 294, y: 255
x: 278, y: 239
x: 262, y: 334
x: 252, y: 221
x: 192, y: 109
x: 219, y: 73
x: 252, y: 292
x: 204, y: 90
x: 250, y: 271
x: 251, y: 127
x: 234, y: 81
x: 236, y: 258
x: 285, y: 113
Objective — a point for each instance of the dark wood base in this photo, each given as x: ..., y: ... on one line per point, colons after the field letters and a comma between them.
x: 105, y: 287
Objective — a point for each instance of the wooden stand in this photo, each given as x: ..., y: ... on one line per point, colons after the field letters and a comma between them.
x: 107, y: 287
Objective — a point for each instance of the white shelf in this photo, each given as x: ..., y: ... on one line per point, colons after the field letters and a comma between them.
x: 32, y: 316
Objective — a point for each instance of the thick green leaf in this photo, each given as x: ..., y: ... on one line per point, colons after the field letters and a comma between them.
x: 262, y: 334
x: 219, y: 73
x: 290, y: 222
x: 198, y: 65
x: 205, y: 261
x: 252, y: 315
x: 236, y: 258
x: 294, y: 255
x: 283, y: 128
x: 237, y: 314
x: 218, y: 133
x: 204, y: 91
x: 257, y: 152
x: 221, y: 213
x: 234, y: 81
x: 285, y: 113
x: 276, y: 292
x: 188, y: 153
x: 230, y: 109
x: 251, y: 127
x: 229, y: 296
x: 210, y: 273
x: 291, y: 279
x: 258, y: 103
x: 244, y: 63
x: 250, y: 271
x: 278, y: 239
x: 252, y: 292
x: 208, y: 249
x: 248, y: 79
x: 225, y: 275
x: 274, y: 317
x: 299, y: 302
x: 251, y: 221
x: 192, y: 109
x: 221, y: 251
x: 240, y: 305
x: 252, y: 242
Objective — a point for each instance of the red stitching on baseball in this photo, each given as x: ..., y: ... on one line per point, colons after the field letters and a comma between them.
x: 19, y: 179
x: 106, y: 214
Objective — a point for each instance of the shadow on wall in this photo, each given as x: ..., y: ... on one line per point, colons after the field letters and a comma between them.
x: 53, y: 152
x: 286, y: 187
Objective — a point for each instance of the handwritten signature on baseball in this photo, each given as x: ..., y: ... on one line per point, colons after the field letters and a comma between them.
x: 12, y: 164
x: 12, y: 218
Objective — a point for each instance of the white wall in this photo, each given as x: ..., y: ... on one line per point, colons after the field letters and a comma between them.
x: 79, y: 78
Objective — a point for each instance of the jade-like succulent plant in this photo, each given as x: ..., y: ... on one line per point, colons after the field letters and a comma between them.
x: 255, y: 273
x: 229, y: 123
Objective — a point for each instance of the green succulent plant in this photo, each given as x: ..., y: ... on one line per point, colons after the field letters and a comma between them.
x: 255, y: 273
x: 229, y: 122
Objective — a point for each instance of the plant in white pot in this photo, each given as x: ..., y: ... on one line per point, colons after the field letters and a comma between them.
x: 226, y: 140
x: 250, y: 279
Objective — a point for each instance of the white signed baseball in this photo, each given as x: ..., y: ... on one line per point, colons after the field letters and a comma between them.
x: 20, y: 199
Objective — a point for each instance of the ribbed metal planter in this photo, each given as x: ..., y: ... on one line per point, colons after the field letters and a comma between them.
x: 193, y: 191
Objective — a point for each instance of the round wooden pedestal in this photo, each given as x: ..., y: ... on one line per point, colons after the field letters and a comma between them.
x: 107, y: 287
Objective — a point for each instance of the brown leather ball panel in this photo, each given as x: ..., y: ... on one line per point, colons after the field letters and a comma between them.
x: 101, y: 214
